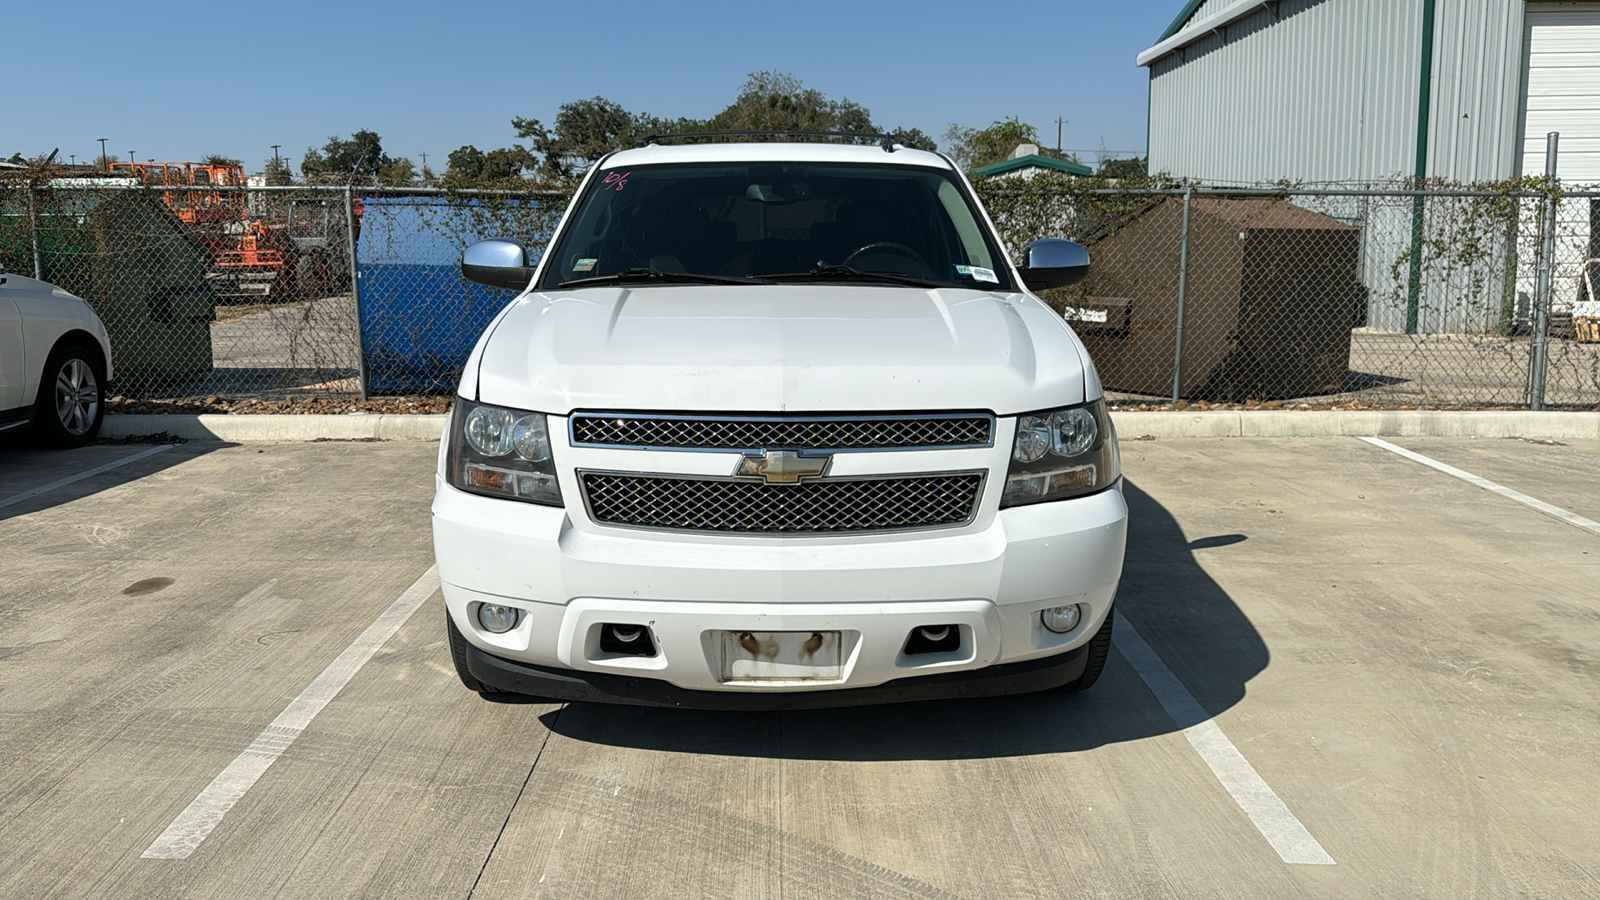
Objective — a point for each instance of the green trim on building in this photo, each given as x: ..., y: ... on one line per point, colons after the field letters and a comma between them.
x: 1035, y: 161
x: 1183, y: 19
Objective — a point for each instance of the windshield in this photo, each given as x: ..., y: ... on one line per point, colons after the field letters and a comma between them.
x: 780, y: 222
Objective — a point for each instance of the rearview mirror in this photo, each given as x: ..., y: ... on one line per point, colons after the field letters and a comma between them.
x: 1053, y: 263
x: 497, y: 262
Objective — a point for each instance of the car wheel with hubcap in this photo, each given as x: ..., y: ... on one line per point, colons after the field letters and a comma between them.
x: 71, y: 402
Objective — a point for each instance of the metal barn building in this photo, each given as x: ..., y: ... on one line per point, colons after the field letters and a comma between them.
x: 1367, y: 91
x: 1245, y: 91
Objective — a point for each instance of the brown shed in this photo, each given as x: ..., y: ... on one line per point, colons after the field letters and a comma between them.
x: 1273, y: 291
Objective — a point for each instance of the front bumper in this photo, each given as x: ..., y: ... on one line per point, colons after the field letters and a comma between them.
x: 569, y: 578
x: 605, y: 687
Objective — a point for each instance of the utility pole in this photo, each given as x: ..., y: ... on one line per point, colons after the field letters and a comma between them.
x: 424, y: 159
x: 1059, y: 122
x: 103, y: 160
x: 130, y: 156
x: 275, y: 160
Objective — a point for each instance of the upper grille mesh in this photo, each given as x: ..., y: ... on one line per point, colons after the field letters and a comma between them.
x: 800, y: 433
x: 813, y: 507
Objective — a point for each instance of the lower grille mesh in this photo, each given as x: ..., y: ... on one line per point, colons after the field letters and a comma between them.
x: 828, y: 506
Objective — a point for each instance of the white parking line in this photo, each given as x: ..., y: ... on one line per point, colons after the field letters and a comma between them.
x: 46, y: 488
x: 192, y: 825
x: 1272, y: 818
x: 1570, y: 518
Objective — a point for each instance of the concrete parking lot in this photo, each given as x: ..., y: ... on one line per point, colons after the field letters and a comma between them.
x: 1316, y: 634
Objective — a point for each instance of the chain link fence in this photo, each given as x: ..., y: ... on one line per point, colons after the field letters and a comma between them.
x: 1321, y: 296
x: 1282, y: 296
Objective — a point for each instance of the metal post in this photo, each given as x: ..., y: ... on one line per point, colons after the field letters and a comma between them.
x: 1183, y: 293
x: 355, y: 286
x: 1542, y: 287
x: 1424, y: 109
x: 33, y: 228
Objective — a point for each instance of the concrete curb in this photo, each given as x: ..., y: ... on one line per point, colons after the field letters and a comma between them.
x: 246, y: 428
x: 1556, y: 426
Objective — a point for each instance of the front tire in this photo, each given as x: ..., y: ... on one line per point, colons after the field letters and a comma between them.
x: 71, y: 403
x: 458, y: 655
x: 1099, y: 650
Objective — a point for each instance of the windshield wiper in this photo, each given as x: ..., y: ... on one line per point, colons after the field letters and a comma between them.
x: 646, y: 274
x: 847, y: 273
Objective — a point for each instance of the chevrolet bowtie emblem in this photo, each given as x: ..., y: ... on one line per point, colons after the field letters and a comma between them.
x: 783, y: 466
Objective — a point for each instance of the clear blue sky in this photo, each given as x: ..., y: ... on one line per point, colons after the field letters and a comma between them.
x: 180, y: 80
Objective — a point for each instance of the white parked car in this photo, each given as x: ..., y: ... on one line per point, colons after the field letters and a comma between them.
x: 776, y: 425
x: 55, y: 361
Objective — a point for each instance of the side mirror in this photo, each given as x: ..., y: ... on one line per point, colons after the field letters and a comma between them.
x: 1053, y: 263
x: 497, y: 262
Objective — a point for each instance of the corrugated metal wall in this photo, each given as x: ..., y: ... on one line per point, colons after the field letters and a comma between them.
x: 1326, y: 90
x: 1319, y: 90
x: 1477, y: 87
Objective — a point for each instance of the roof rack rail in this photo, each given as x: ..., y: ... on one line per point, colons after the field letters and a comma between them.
x: 884, y: 140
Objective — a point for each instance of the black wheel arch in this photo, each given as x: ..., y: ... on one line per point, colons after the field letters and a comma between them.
x: 77, y: 337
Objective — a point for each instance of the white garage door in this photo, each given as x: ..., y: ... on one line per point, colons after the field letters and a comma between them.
x: 1563, y: 91
x: 1563, y: 95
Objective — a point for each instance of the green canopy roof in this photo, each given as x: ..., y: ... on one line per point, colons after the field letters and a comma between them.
x: 1033, y: 161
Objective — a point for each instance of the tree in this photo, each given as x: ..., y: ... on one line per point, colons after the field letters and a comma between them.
x: 470, y: 166
x: 1123, y: 168
x: 361, y: 157
x: 398, y: 172
x: 773, y: 101
x: 971, y: 148
x: 278, y: 172
x: 217, y: 159
x: 584, y: 131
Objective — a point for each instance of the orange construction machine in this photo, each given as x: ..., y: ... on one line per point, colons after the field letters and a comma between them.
x: 251, y: 255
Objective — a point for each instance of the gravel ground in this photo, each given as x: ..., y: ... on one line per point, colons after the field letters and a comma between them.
x: 419, y: 405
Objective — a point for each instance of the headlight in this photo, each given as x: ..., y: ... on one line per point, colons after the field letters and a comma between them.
x: 502, y: 453
x: 1062, y: 453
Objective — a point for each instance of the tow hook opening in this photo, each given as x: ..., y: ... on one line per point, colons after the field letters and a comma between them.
x: 627, y: 640
x: 933, y: 639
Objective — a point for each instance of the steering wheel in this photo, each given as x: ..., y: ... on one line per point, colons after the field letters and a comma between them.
x: 892, y: 246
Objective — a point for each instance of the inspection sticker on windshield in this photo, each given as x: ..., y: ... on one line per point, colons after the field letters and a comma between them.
x: 978, y: 273
x: 584, y: 265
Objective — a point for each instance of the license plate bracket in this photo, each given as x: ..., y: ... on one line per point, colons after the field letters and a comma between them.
x: 781, y: 656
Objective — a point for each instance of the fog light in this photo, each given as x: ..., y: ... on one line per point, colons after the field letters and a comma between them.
x: 497, y: 619
x: 1061, y: 619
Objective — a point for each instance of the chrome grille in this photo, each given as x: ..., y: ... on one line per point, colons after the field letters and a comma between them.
x: 788, y: 432
x: 825, y: 506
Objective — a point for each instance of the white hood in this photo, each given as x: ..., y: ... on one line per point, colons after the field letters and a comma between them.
x: 784, y: 348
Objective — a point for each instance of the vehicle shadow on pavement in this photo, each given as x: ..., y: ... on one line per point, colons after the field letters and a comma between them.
x: 1190, y: 621
x: 25, y: 468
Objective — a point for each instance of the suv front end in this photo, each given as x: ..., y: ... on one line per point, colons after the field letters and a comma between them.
x: 731, y: 491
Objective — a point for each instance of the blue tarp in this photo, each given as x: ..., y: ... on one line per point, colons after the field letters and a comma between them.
x: 419, y: 317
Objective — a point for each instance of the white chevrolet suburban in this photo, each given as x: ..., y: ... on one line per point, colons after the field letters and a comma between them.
x: 777, y: 425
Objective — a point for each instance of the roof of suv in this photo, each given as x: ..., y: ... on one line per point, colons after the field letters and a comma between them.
x: 775, y: 152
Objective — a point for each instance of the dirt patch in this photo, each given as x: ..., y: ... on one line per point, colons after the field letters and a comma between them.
x: 418, y: 405
x: 1202, y: 405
